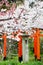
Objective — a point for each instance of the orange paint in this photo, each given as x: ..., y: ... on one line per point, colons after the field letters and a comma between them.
x: 20, y: 47
x: 5, y: 41
x: 35, y: 45
x: 38, y: 44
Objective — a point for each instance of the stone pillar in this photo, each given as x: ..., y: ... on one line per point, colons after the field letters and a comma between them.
x: 25, y: 50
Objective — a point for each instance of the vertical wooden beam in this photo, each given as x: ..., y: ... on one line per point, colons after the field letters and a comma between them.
x: 5, y: 41
x: 38, y: 44
x: 20, y: 49
x: 35, y: 46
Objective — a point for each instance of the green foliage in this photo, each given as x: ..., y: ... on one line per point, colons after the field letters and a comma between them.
x: 11, y: 1
x: 13, y: 62
x: 20, y: 0
x: 41, y: 45
x: 4, y: 6
x: 31, y: 46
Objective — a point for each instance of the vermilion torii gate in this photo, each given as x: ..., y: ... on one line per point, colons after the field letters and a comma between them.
x: 4, y: 36
x: 36, y: 37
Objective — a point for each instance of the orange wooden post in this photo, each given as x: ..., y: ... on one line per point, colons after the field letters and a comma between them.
x: 38, y: 44
x: 35, y: 45
x: 20, y: 49
x: 5, y: 41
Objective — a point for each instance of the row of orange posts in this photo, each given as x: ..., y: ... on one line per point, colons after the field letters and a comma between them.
x: 4, y: 47
x: 36, y: 37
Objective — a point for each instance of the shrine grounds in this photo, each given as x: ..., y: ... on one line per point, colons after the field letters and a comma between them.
x: 15, y: 62
x: 31, y: 60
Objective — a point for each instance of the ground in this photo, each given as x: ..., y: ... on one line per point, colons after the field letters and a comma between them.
x: 14, y: 61
x: 31, y: 60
